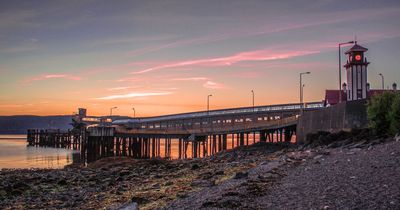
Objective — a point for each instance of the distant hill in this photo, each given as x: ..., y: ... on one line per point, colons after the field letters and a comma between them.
x: 19, y: 124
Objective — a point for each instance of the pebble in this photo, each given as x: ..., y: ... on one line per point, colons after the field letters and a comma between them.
x: 318, y: 157
x: 129, y: 206
x: 240, y: 175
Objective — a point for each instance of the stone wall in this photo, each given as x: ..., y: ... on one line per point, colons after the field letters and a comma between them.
x: 344, y: 116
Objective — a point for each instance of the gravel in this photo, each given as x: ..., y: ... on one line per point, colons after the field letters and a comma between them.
x: 349, y: 177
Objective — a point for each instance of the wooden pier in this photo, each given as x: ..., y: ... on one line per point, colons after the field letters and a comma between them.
x: 55, y: 138
x: 98, y: 142
x: 186, y: 135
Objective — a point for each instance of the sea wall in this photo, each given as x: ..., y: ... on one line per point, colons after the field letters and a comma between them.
x: 344, y: 116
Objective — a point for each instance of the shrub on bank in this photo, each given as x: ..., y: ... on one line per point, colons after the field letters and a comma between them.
x: 394, y: 115
x: 384, y: 113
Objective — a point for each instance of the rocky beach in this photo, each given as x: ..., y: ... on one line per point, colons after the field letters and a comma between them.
x: 327, y: 173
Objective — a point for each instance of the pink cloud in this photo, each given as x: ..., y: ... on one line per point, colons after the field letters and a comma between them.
x: 213, y: 85
x: 118, y: 88
x: 190, y: 79
x: 134, y: 95
x: 247, y: 74
x: 260, y: 55
x: 52, y: 76
x: 177, y: 44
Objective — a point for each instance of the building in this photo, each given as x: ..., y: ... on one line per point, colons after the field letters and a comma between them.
x: 357, y: 86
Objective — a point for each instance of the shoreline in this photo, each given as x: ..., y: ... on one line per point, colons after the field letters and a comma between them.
x: 156, y: 183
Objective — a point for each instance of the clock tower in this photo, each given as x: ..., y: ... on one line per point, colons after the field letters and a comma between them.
x: 356, y: 69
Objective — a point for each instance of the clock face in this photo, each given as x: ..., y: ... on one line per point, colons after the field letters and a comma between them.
x: 358, y: 57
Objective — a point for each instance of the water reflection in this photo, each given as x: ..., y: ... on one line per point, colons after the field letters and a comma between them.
x: 15, y: 154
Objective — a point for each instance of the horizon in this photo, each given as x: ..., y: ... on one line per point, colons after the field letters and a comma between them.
x: 164, y: 58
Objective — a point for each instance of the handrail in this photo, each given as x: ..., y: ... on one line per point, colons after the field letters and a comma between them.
x: 213, y: 129
x: 242, y: 110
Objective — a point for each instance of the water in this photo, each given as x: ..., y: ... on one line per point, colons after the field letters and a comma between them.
x: 15, y: 154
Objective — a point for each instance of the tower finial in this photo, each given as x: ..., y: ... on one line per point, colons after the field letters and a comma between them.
x: 355, y: 39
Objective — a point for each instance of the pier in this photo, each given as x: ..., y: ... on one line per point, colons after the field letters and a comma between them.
x: 179, y: 136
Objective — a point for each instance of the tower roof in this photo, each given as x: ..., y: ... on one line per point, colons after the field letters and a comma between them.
x: 356, y: 48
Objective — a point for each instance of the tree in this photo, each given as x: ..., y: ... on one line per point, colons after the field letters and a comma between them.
x: 394, y: 115
x: 378, y: 112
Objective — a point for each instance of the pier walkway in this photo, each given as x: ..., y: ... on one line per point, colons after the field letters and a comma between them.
x: 172, y: 136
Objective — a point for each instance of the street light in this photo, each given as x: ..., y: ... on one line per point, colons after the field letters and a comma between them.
x: 252, y: 92
x: 301, y: 88
x: 112, y: 109
x: 383, y: 81
x: 134, y: 112
x: 208, y: 103
x: 340, y: 69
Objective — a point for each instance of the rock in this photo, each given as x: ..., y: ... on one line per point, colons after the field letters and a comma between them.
x: 129, y: 206
x: 355, y: 149
x: 268, y: 176
x: 318, y: 157
x: 397, y: 137
x: 139, y: 200
x: 156, y: 186
x: 182, y: 195
x: 124, y: 172
x: 220, y: 172
x: 240, y: 175
x: 106, y: 179
x: 202, y: 183
x: 62, y: 182
x: 21, y: 186
x: 169, y: 183
x: 195, y: 166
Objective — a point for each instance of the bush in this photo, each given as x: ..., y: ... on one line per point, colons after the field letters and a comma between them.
x: 384, y: 113
x: 378, y: 112
x: 394, y: 115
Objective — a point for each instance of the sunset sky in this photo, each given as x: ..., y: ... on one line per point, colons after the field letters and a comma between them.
x: 165, y: 57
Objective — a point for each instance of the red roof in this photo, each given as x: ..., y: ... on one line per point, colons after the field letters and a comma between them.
x: 356, y: 48
x: 332, y: 96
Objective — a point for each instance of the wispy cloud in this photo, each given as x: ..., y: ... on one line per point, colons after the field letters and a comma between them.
x: 134, y: 95
x: 214, y: 85
x: 190, y: 79
x: 118, y: 88
x: 299, y: 22
x: 52, y: 76
x: 247, y: 74
x: 260, y: 55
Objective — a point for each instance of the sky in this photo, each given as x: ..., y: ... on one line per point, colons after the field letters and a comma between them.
x: 165, y: 57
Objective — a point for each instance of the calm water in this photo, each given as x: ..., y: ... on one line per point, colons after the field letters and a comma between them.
x: 15, y: 154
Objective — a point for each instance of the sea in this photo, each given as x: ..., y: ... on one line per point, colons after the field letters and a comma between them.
x: 14, y: 153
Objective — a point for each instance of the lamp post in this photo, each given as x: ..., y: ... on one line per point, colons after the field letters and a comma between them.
x: 302, y: 93
x: 208, y: 104
x: 340, y: 69
x: 112, y: 109
x: 252, y: 92
x: 301, y: 89
x: 134, y: 112
x: 383, y: 81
